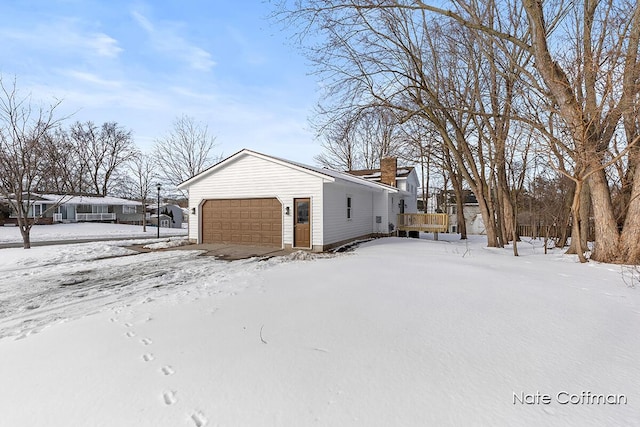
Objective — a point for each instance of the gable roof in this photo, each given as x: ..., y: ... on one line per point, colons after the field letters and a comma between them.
x: 326, y: 174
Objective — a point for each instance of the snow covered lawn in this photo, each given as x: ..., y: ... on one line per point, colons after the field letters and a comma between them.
x: 84, y: 230
x: 400, y: 332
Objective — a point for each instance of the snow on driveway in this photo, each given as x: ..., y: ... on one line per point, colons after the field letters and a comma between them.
x: 401, y: 332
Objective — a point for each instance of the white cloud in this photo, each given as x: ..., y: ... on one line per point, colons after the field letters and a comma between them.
x: 92, y: 78
x: 65, y: 37
x: 168, y: 40
x: 104, y: 45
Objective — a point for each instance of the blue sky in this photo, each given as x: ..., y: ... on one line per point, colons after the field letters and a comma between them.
x: 142, y: 64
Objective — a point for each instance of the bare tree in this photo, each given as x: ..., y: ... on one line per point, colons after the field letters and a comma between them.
x: 23, y: 131
x: 391, y: 54
x: 102, y: 152
x: 360, y: 139
x: 185, y: 151
x: 142, y: 177
x: 580, y: 60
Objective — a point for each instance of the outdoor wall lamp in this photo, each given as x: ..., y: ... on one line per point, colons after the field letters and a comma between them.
x: 287, y: 210
x: 193, y: 211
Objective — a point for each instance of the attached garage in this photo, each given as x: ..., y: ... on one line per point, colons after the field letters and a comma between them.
x: 254, y: 221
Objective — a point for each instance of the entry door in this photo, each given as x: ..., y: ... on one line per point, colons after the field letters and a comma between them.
x: 302, y: 223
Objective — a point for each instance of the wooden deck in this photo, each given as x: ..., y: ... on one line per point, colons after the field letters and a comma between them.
x: 427, y: 222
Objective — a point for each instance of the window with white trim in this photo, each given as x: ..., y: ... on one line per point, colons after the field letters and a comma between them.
x: 128, y: 209
x: 99, y: 208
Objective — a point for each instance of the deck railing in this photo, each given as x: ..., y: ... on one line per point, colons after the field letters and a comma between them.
x: 57, y: 217
x: 427, y: 222
x: 95, y: 216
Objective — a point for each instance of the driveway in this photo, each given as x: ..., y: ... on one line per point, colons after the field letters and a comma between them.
x: 227, y: 252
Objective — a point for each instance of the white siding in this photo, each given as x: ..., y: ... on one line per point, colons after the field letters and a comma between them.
x: 412, y: 200
x: 366, y: 204
x: 252, y: 177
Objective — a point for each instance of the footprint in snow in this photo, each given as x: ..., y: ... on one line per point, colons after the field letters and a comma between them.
x: 169, y: 397
x: 148, y: 357
x: 198, y: 419
x: 128, y: 325
x: 130, y: 334
x: 146, y: 341
x: 113, y: 320
x: 167, y: 370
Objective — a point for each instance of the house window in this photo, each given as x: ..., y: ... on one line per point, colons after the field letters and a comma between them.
x: 128, y: 209
x: 99, y: 209
x: 349, y: 212
x: 37, y: 210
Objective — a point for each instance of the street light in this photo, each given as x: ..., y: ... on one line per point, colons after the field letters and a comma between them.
x: 158, y: 186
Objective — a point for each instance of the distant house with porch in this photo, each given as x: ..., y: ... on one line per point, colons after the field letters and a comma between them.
x: 50, y: 208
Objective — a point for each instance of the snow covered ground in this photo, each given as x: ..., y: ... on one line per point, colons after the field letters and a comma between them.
x: 400, y: 332
x: 84, y: 230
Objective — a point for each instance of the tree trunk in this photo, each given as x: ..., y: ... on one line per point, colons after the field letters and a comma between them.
x: 564, y: 219
x: 630, y: 239
x: 25, y: 231
x: 606, y: 247
x: 509, y: 219
x: 456, y: 181
x: 576, y: 230
x: 585, y: 215
x: 481, y: 192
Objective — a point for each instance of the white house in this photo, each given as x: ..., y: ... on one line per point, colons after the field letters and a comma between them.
x: 472, y: 215
x: 253, y: 198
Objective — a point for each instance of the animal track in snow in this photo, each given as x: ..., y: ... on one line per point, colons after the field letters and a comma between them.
x: 130, y: 334
x: 198, y: 419
x: 146, y: 341
x: 128, y: 325
x: 148, y: 357
x: 167, y: 370
x: 169, y: 397
x: 113, y: 320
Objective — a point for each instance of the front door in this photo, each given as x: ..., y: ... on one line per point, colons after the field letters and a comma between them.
x: 302, y: 223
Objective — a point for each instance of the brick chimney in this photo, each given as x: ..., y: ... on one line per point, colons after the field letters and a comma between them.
x: 388, y: 170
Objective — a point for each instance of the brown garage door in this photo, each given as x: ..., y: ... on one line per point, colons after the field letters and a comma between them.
x: 242, y: 221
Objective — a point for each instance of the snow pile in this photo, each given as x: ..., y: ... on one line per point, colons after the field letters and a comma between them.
x: 397, y: 332
x: 171, y: 243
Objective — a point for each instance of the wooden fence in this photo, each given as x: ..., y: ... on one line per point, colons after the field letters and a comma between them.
x: 551, y: 231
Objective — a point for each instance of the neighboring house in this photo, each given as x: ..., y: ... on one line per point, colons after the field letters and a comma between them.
x: 62, y: 208
x: 174, y: 214
x: 472, y: 215
x: 165, y: 220
x: 253, y: 198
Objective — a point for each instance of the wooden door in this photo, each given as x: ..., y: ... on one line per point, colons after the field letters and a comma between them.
x: 302, y: 223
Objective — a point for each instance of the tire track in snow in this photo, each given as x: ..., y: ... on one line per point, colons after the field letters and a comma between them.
x: 73, y: 290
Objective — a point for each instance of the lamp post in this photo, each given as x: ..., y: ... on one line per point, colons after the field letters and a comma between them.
x: 158, y: 186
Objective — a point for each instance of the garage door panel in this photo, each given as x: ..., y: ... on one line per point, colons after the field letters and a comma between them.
x: 243, y: 221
